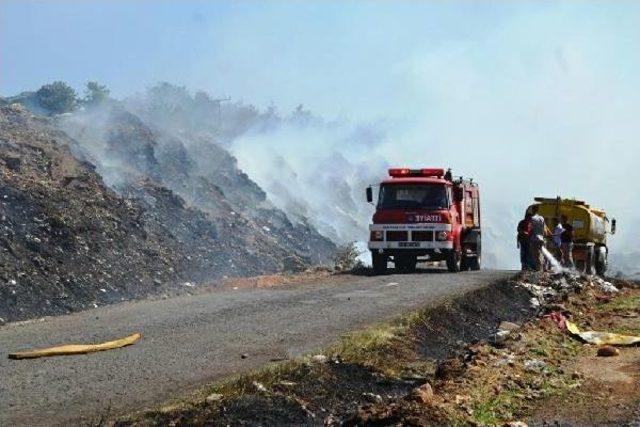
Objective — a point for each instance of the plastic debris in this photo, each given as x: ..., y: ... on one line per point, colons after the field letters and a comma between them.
x: 601, y: 338
x: 605, y: 286
x: 534, y: 365
x: 558, y: 318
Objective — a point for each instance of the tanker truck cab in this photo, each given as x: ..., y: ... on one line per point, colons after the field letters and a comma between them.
x: 425, y: 215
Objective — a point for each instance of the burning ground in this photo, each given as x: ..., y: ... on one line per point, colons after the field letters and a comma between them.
x: 490, y: 357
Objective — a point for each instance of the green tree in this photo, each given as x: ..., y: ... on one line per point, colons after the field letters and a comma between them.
x: 95, y: 93
x: 57, y: 97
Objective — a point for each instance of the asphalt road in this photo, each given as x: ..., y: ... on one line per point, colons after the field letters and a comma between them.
x: 188, y: 341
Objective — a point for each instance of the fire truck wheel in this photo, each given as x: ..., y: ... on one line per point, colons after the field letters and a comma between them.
x: 473, y: 263
x: 379, y: 262
x: 454, y: 261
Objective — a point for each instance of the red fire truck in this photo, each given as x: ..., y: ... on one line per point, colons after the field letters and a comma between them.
x: 425, y: 214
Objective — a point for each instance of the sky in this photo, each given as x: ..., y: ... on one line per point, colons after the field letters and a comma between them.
x: 530, y: 98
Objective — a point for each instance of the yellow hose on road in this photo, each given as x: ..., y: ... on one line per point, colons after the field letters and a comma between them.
x: 76, y: 348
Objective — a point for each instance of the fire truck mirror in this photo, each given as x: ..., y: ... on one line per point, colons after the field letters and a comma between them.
x: 369, y: 195
x: 613, y: 226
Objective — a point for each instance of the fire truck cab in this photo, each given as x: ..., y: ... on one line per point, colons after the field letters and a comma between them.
x: 425, y: 215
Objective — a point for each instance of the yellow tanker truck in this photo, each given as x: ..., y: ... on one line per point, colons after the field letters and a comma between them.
x: 590, y: 229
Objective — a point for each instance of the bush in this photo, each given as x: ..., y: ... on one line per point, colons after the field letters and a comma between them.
x: 57, y: 97
x: 95, y: 93
x: 346, y: 257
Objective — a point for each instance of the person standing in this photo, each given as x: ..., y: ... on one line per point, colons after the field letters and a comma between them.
x: 566, y: 243
x: 556, y: 236
x: 538, y: 232
x: 524, y: 233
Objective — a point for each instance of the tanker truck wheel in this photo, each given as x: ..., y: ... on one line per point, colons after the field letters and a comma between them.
x: 601, y: 261
x: 590, y: 263
x: 379, y: 262
x: 454, y: 261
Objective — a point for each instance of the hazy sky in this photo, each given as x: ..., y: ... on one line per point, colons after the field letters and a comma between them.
x: 358, y: 58
x: 531, y: 98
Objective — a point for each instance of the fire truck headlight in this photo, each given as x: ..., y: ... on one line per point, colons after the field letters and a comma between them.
x: 377, y: 235
x: 442, y: 235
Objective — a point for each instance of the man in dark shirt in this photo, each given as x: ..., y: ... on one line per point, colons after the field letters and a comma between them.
x: 566, y: 246
x: 524, y: 233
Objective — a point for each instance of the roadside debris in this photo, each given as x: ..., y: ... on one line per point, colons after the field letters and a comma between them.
x: 319, y: 358
x: 534, y: 365
x: 608, y: 351
x: 76, y: 348
x: 600, y: 338
x: 259, y: 387
x: 214, y: 397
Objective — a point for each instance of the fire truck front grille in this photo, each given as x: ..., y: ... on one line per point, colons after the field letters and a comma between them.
x: 397, y: 236
x: 422, y: 236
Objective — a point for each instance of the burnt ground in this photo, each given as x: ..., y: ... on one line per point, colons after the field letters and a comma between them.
x: 420, y: 372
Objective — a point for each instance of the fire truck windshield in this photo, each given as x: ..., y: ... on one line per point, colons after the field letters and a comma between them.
x: 413, y: 196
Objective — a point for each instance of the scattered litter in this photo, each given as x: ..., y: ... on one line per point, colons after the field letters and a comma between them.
x: 392, y: 284
x: 558, y: 318
x: 374, y: 398
x: 244, y: 356
x: 509, y: 359
x: 189, y: 284
x: 319, y: 358
x: 76, y: 348
x: 600, y: 338
x: 534, y: 365
x: 287, y: 383
x: 499, y: 337
x: 608, y: 351
x: 215, y: 397
x: 259, y: 387
x: 604, y: 286
x: 508, y: 326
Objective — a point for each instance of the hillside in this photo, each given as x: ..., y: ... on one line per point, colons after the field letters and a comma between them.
x: 73, y: 236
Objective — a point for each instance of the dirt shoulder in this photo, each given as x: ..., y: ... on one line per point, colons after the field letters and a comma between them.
x: 448, y: 366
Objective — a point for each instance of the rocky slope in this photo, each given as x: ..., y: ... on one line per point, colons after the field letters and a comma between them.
x: 80, y: 228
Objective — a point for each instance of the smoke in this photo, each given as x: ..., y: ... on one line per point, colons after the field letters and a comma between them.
x: 529, y: 99
x: 316, y: 170
x: 544, y: 104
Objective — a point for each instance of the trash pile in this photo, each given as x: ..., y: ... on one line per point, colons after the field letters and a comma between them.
x: 77, y: 233
x: 550, y: 288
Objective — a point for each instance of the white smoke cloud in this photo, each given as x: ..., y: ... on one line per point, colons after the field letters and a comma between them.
x: 543, y: 105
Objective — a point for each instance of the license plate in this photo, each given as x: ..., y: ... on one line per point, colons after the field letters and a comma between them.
x: 408, y: 244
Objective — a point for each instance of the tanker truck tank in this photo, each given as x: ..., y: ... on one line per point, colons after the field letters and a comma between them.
x: 590, y: 227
